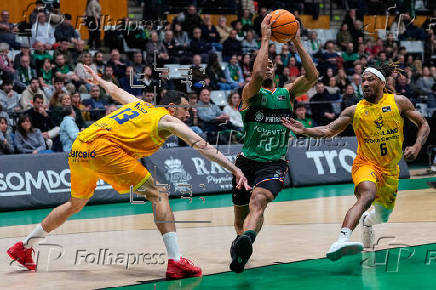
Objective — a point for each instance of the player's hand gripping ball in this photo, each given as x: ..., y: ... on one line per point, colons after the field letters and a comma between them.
x: 284, y: 26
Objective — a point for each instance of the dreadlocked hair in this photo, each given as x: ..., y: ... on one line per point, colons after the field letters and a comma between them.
x: 387, y: 69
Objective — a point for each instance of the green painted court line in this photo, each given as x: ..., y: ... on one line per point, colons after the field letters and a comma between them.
x: 213, y: 201
x: 401, y: 270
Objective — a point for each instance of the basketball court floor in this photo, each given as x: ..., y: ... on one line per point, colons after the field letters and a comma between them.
x: 117, y: 245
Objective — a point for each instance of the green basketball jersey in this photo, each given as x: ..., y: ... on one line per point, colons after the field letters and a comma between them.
x: 266, y: 139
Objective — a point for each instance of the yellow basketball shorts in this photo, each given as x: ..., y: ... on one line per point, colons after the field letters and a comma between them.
x: 103, y: 159
x: 386, y: 181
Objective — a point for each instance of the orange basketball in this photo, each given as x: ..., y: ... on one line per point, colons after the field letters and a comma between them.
x: 283, y: 25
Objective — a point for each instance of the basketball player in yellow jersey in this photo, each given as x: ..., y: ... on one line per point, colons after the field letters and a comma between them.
x: 378, y: 124
x: 109, y: 150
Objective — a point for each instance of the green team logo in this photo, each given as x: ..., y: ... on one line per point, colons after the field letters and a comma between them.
x: 258, y: 116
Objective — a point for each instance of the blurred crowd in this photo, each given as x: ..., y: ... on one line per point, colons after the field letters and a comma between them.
x: 45, y: 99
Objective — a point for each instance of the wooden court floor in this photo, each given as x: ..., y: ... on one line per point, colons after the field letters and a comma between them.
x: 118, y: 244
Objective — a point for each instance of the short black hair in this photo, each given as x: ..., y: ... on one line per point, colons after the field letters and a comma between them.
x: 38, y: 96
x: 7, y: 82
x: 174, y: 97
x: 299, y: 105
x: 66, y: 111
x: 34, y: 79
x: 58, y: 80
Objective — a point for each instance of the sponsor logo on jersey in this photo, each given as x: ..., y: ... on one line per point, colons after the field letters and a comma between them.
x: 386, y: 109
x: 258, y: 116
x: 379, y: 122
x: 281, y: 98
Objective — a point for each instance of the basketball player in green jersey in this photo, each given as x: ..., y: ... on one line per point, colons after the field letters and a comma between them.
x: 265, y: 143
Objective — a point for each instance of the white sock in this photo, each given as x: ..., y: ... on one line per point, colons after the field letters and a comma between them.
x: 35, y: 236
x: 344, y: 235
x: 170, y: 240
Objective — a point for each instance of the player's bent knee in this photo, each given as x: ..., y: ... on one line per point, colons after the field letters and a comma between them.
x: 75, y: 205
x: 259, y: 199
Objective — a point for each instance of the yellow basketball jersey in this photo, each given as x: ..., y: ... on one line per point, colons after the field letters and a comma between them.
x: 379, y: 131
x: 134, y: 127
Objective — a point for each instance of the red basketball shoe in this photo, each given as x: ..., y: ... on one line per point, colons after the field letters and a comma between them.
x: 22, y: 255
x: 182, y: 269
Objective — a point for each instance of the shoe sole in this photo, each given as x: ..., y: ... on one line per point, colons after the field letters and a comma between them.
x: 243, y: 250
x: 177, y: 277
x: 345, y: 251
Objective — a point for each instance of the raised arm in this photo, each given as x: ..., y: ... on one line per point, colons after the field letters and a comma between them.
x: 303, y: 83
x: 115, y: 92
x: 260, y: 64
x: 330, y: 130
x: 181, y: 130
x: 408, y: 110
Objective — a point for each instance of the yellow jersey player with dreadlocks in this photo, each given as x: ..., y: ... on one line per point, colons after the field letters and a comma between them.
x: 378, y: 125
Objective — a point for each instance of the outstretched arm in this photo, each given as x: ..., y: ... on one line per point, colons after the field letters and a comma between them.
x: 181, y: 130
x: 408, y: 110
x: 260, y: 64
x: 303, y: 83
x: 115, y: 92
x: 330, y: 130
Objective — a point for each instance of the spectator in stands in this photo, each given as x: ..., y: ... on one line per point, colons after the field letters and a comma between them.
x: 42, y: 120
x: 246, y: 66
x: 258, y: 20
x: 233, y: 73
x: 231, y: 46
x: 343, y: 37
x: 412, y: 32
x: 23, y: 74
x: 170, y: 45
x: 357, y: 85
x: 192, y: 121
x: 64, y: 48
x: 43, y: 32
x: 147, y: 77
x: 349, y: 56
x: 341, y: 79
x: 27, y: 138
x: 117, y: 64
x: 223, y: 29
x: 313, y: 44
x: 425, y: 83
x: 79, y: 48
x: 39, y: 7
x: 294, y: 71
x: 210, y: 34
x: 199, y: 76
x: 6, y: 66
x: 82, y: 114
x: 272, y: 50
x: 333, y: 89
x: 66, y: 31
x: 138, y: 65
x: 293, y: 53
x: 402, y: 87
x: 26, y: 101
x: 322, y: 109
x: 8, y: 30
x: 93, y: 14
x: 330, y: 58
x: 99, y: 63
x: 125, y: 82
x: 45, y: 77
x: 6, y: 140
x: 181, y: 37
x: 327, y: 75
x: 237, y: 25
x: 108, y: 75
x: 285, y: 77
x: 349, y: 98
x: 198, y: 45
x: 431, y: 98
x: 24, y: 50
x: 40, y: 53
x: 211, y: 115
x: 249, y: 44
x: 215, y: 74
x: 95, y: 104
x: 9, y: 99
x: 63, y: 70
x: 300, y: 115
x: 68, y: 128
x: 148, y: 96
x: 154, y: 44
x: 246, y: 20
x: 192, y: 20
x: 231, y: 109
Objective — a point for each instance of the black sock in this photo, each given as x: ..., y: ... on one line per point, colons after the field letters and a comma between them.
x: 251, y: 234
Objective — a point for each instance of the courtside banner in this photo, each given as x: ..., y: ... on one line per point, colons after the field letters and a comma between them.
x: 42, y: 180
x: 325, y: 161
x: 186, y: 172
